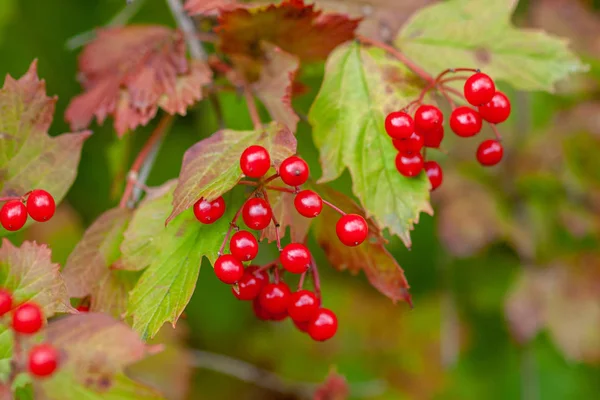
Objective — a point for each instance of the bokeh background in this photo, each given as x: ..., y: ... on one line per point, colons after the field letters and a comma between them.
x: 505, y: 277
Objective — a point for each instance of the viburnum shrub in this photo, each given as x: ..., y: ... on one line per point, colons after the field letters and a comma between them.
x: 252, y: 202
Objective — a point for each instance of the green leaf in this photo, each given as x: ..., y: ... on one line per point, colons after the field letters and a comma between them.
x: 167, y: 285
x: 29, y: 158
x: 6, y: 344
x: 348, y: 128
x: 91, y: 268
x: 211, y: 167
x: 479, y: 34
x: 379, y: 266
x: 95, y: 349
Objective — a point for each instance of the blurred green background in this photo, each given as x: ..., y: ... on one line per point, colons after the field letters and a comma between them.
x: 521, y: 222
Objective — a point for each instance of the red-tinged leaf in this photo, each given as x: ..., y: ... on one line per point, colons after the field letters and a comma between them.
x: 188, y: 89
x: 96, y: 252
x: 95, y: 349
x: 29, y: 158
x: 211, y: 167
x: 93, y: 267
x: 462, y: 231
x: 335, y: 387
x: 380, y: 267
x: 169, y: 371
x: 28, y: 272
x: 564, y: 298
x: 128, y: 72
x: 274, y: 87
x: 295, y: 27
x: 207, y: 7
x: 285, y: 212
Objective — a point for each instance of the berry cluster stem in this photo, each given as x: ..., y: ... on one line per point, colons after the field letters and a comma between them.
x: 338, y: 210
x: 275, y: 222
x: 144, y: 156
x: 315, y: 275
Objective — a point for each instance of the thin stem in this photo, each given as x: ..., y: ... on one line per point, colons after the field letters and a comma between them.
x: 333, y: 207
x: 301, y: 281
x: 275, y: 222
x: 496, y: 133
x: 9, y: 198
x: 188, y: 28
x: 453, y: 79
x: 398, y: 55
x: 315, y: 275
x: 267, y: 266
x: 276, y: 274
x: 252, y: 110
x: 232, y: 226
x: 146, y: 155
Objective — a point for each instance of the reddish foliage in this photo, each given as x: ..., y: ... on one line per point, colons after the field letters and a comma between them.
x: 129, y: 71
x: 295, y: 27
x: 206, y: 7
x: 335, y: 387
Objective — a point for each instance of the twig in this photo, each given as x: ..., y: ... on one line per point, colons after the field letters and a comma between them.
x: 145, y: 159
x: 301, y: 281
x: 274, y: 219
x: 252, y: 110
x: 315, y: 275
x: 333, y: 207
x: 9, y: 198
x: 186, y: 24
x: 121, y: 18
x: 398, y: 55
x: 496, y: 133
x: 252, y: 374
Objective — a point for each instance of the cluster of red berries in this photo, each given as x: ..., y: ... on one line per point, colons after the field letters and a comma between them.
x: 274, y: 300
x: 40, y: 207
x: 410, y: 135
x: 28, y: 319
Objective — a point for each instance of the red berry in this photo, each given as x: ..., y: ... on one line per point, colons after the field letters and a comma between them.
x: 497, y: 110
x: 295, y: 258
x: 302, y: 326
x: 260, y: 312
x: 257, y: 213
x: 465, y: 121
x: 434, y: 138
x: 413, y: 144
x: 243, y: 246
x: 323, y: 325
x: 13, y: 215
x: 255, y: 161
x: 308, y: 203
x: 43, y: 360
x: 427, y: 119
x: 409, y: 165
x: 275, y: 297
x: 83, y: 309
x: 294, y: 171
x: 40, y: 205
x: 303, y: 305
x: 434, y: 173
x: 250, y: 284
x: 27, y: 318
x: 399, y: 125
x: 479, y: 89
x: 208, y: 212
x: 228, y: 269
x: 279, y: 317
x: 351, y: 229
x: 489, y: 152
x: 6, y: 301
